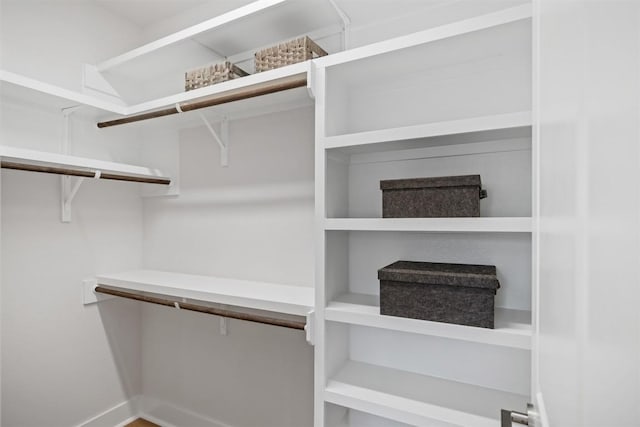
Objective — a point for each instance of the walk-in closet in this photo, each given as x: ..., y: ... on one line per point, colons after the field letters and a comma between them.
x: 319, y: 213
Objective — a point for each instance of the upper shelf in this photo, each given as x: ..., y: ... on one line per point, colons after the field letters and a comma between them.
x: 41, y: 161
x: 16, y: 87
x: 244, y: 29
x: 295, y: 300
x: 275, y: 84
x: 447, y: 31
x: 257, y: 17
x: 286, y: 86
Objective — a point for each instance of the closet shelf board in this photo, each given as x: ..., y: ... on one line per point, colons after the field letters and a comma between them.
x: 485, y: 128
x: 433, y: 225
x: 233, y: 33
x: 416, y: 399
x: 483, y: 22
x: 15, y: 87
x: 512, y: 327
x: 296, y: 300
x: 294, y: 71
x: 47, y: 160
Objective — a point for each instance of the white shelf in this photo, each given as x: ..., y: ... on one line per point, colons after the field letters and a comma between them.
x: 295, y: 300
x: 416, y: 399
x: 24, y: 89
x: 15, y: 87
x: 512, y: 327
x: 290, y: 71
x: 237, y: 32
x: 455, y: 29
x: 47, y: 161
x: 433, y: 225
x: 487, y: 128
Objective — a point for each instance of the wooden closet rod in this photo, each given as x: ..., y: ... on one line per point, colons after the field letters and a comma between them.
x: 83, y: 173
x: 293, y: 324
x: 272, y: 86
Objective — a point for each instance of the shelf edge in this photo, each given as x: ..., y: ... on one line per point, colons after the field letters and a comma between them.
x: 502, y: 337
x: 430, y: 130
x: 433, y: 225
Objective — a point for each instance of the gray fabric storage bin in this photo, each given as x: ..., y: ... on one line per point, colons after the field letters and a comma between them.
x: 452, y: 293
x: 437, y: 197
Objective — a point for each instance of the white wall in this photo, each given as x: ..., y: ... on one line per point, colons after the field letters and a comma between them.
x: 51, y: 39
x: 64, y: 363
x: 589, y: 346
x: 252, y: 220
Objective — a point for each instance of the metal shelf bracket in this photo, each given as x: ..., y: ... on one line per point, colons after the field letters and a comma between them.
x: 222, y: 139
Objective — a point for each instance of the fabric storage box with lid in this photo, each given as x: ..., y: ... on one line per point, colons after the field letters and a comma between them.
x: 212, y: 74
x: 452, y: 293
x: 435, y: 197
x: 291, y: 52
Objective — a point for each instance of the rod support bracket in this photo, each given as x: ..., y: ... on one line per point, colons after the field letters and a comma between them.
x: 310, y: 328
x: 222, y: 139
x: 69, y: 193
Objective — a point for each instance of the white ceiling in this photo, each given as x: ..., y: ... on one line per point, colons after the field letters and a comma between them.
x: 146, y: 13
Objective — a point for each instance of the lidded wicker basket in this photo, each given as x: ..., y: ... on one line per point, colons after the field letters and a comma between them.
x: 212, y: 74
x: 291, y: 52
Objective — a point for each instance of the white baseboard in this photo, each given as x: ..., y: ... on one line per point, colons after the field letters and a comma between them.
x: 169, y: 415
x: 117, y: 416
x: 162, y: 413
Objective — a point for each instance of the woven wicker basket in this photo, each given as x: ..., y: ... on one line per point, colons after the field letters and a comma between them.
x: 212, y: 74
x: 288, y: 53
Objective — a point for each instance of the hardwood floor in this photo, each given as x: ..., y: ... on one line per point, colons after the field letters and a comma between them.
x: 141, y: 423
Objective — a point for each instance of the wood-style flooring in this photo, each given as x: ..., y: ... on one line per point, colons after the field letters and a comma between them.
x: 141, y: 423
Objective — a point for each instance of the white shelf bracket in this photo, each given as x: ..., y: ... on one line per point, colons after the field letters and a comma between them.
x: 222, y: 139
x: 67, y: 191
x: 94, y: 83
x: 310, y: 328
x: 224, y: 326
x: 346, y: 25
x: 68, y: 194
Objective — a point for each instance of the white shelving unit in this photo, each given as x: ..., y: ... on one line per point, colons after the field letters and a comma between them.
x: 451, y: 100
x: 295, y: 300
